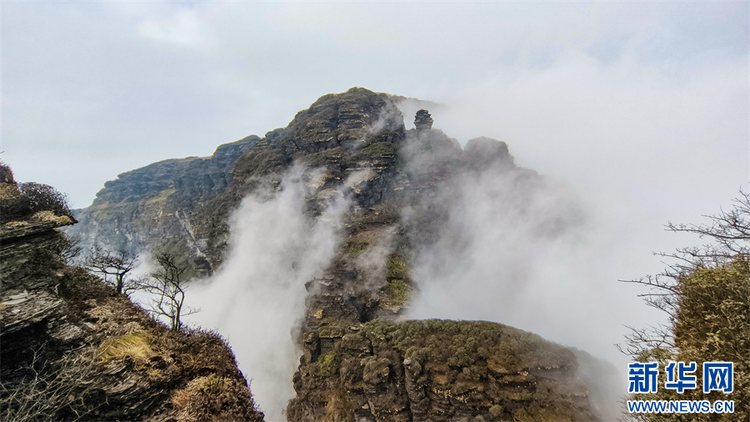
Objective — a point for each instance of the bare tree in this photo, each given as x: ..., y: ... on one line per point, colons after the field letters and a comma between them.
x: 705, y: 292
x: 729, y: 233
x: 114, y: 267
x: 167, y: 284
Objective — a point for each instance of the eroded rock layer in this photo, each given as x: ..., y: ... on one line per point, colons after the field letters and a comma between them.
x: 72, y: 349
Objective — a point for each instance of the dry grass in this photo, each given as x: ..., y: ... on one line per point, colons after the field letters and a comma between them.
x: 211, y: 398
x: 135, y: 345
x: 337, y: 407
x: 50, y: 217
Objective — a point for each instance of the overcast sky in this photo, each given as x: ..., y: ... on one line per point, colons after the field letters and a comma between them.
x: 639, y: 109
x: 93, y: 89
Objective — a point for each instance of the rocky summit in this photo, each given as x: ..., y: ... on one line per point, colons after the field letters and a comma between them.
x: 361, y: 359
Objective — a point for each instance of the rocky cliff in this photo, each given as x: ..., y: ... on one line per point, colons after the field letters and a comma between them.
x: 72, y: 349
x: 143, y: 207
x: 361, y: 360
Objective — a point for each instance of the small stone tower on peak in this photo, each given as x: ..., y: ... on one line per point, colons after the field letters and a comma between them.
x: 423, y: 120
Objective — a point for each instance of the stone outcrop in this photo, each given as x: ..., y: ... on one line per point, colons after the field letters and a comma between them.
x: 423, y: 120
x: 72, y: 349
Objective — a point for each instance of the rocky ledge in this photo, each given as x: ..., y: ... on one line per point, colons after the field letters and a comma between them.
x: 72, y: 349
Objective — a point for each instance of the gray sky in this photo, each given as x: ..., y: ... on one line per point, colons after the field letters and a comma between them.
x: 94, y: 89
x: 640, y: 110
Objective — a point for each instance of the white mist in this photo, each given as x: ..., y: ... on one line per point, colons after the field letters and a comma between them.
x: 257, y: 297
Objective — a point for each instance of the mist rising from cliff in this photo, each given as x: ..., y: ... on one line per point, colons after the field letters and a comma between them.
x: 257, y: 296
x: 516, y: 248
x: 502, y: 253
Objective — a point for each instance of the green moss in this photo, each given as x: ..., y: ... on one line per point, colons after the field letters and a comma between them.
x: 466, y: 343
x: 328, y: 363
x: 397, y: 267
x: 398, y: 290
x: 212, y: 384
x: 374, y: 150
x: 356, y: 249
x: 496, y: 411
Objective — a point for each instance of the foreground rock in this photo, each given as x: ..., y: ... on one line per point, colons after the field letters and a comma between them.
x: 72, y: 349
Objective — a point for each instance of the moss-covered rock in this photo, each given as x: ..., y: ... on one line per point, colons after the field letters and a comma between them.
x: 439, y: 370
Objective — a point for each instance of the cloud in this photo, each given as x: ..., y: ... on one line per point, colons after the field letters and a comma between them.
x: 184, y: 27
x: 516, y: 248
x: 638, y: 110
x: 258, y: 295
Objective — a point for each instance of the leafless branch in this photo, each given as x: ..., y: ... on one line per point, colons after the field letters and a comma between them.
x: 167, y: 284
x: 114, y: 266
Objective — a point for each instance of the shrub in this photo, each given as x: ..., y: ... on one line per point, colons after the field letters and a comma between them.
x: 6, y: 174
x: 45, y: 198
x: 705, y: 294
x: 32, y: 198
x: 399, y: 290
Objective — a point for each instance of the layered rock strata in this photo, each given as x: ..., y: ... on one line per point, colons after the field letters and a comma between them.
x: 72, y: 349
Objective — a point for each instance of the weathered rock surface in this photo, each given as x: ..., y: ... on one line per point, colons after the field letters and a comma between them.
x: 423, y: 120
x: 72, y: 349
x: 144, y: 207
x: 437, y: 370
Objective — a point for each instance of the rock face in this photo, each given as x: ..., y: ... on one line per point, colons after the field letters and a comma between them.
x: 360, y: 360
x: 423, y: 120
x: 72, y: 349
x: 145, y: 206
x: 437, y: 370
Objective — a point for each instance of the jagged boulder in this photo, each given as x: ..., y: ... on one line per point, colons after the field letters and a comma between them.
x: 423, y: 120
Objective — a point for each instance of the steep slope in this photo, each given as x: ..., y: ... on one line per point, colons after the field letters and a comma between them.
x: 72, y: 349
x: 360, y: 359
x: 143, y: 207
